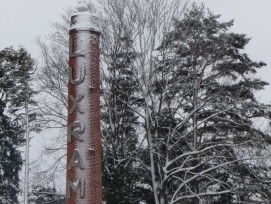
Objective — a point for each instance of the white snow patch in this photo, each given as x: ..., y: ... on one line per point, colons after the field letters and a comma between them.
x: 85, y: 21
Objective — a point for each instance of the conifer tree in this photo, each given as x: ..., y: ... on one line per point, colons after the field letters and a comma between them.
x: 16, y: 74
x: 207, y: 138
x: 11, y: 137
x: 121, y: 173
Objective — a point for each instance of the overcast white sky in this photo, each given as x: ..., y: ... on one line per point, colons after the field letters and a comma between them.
x: 22, y: 21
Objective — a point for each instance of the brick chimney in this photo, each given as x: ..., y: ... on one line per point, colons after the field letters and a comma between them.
x: 84, y: 174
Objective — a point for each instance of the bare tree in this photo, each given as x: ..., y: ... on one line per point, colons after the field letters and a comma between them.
x: 52, y: 77
x: 189, y: 81
x: 53, y: 86
x: 144, y: 25
x: 178, y: 105
x: 122, y: 174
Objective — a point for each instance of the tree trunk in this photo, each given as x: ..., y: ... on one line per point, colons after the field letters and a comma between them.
x: 150, y: 141
x: 195, y: 136
x: 162, y: 196
x: 26, y: 154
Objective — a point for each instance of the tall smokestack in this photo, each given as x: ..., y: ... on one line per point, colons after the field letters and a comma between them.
x: 84, y: 176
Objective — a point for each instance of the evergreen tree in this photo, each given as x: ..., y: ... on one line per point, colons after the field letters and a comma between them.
x: 207, y: 141
x: 16, y: 72
x: 11, y: 137
x: 121, y: 172
x: 16, y: 75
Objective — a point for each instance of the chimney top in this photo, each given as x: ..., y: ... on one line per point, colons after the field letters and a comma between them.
x: 82, y: 6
